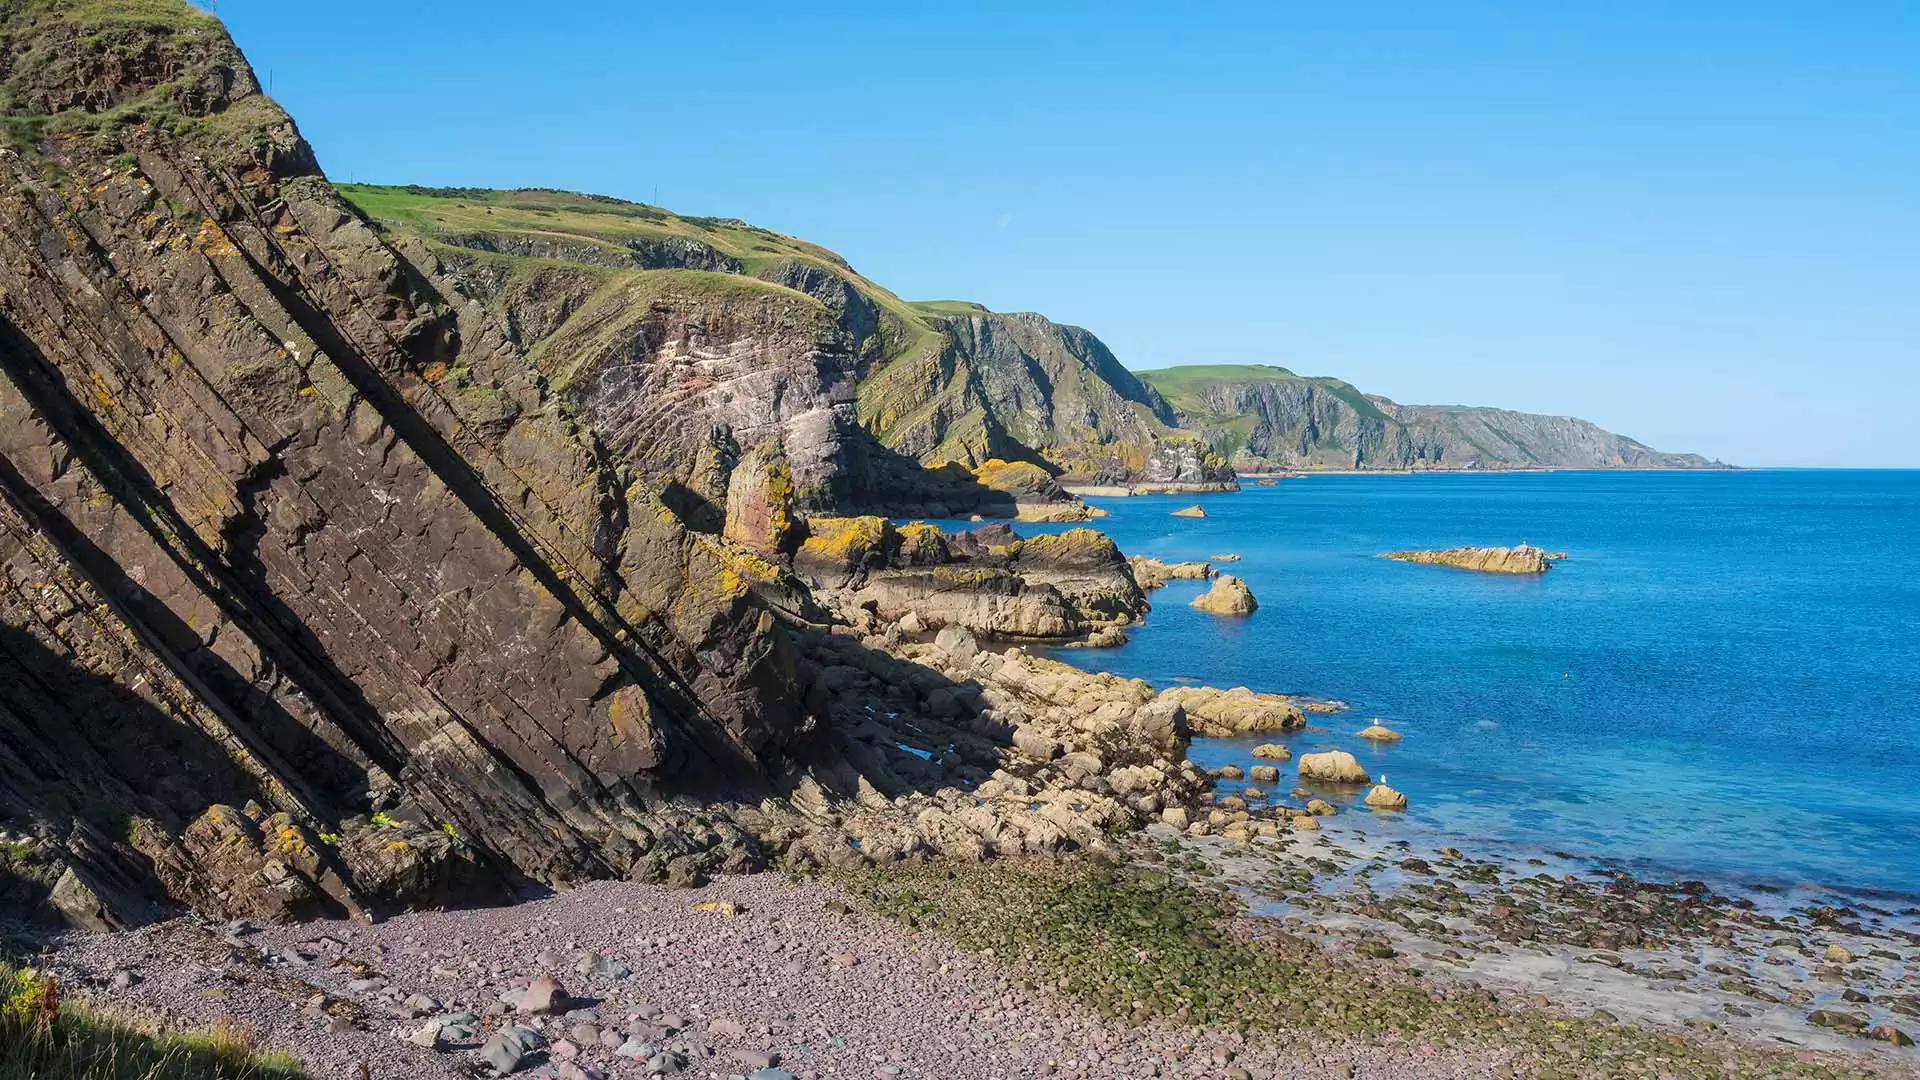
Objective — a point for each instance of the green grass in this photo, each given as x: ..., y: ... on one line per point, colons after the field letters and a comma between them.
x: 441, y: 213
x: 1140, y: 945
x: 46, y: 1037
x: 1184, y: 385
x: 951, y: 307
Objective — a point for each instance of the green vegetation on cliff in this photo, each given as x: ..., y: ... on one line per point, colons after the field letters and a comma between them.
x: 1265, y: 417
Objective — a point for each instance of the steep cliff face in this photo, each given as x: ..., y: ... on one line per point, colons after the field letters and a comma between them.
x: 1262, y: 417
x: 348, y: 566
x: 1018, y: 386
x: 294, y: 545
x: 870, y: 395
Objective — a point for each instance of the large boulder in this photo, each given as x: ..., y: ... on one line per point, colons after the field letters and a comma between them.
x: 760, y: 502
x: 1238, y: 711
x: 1228, y: 596
x: 1333, y: 767
x: 1383, y: 797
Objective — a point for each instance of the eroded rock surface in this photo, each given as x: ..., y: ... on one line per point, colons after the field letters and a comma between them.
x: 1521, y: 559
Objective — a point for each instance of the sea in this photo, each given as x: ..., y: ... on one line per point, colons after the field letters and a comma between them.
x: 1721, y: 682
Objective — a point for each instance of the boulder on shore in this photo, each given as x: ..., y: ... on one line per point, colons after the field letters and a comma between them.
x: 1383, y: 797
x: 1238, y: 711
x: 1228, y: 596
x: 1523, y: 559
x: 1378, y: 732
x: 1194, y: 511
x: 1334, y: 767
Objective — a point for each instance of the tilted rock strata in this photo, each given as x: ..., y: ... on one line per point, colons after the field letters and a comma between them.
x: 990, y: 580
x: 424, y: 570
x: 1522, y: 559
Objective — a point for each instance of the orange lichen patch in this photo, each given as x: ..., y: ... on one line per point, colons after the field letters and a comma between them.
x: 842, y: 539
x: 435, y: 372
x: 1011, y: 475
x: 213, y: 240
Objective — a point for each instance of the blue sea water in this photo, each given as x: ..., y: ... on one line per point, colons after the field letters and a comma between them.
x: 1722, y: 680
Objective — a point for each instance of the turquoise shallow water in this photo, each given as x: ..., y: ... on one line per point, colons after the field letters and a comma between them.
x: 1722, y: 681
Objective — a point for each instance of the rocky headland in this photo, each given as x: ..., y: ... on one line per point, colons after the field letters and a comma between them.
x: 423, y: 610
x: 1520, y: 559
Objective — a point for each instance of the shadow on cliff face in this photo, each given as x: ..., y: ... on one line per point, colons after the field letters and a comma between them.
x: 261, y: 721
x: 83, y: 758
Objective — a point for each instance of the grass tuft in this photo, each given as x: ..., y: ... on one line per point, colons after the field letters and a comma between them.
x: 44, y: 1036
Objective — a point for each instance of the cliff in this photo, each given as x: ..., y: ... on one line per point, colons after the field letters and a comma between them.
x: 1264, y: 418
x: 349, y: 567
x: 687, y: 339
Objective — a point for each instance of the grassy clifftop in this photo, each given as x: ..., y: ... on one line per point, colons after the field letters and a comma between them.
x: 1265, y: 417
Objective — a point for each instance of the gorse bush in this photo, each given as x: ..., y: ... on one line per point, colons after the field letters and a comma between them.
x: 46, y: 1037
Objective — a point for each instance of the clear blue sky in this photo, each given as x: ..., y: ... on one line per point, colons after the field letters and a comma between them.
x: 1694, y: 223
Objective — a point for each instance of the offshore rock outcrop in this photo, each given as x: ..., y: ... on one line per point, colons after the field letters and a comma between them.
x: 1520, y: 559
x: 1228, y: 595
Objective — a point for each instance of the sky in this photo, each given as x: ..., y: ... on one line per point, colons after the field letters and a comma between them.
x: 1694, y: 223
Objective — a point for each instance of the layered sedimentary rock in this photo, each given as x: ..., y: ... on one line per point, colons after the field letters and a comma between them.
x: 352, y: 561
x: 990, y: 581
x: 1520, y: 559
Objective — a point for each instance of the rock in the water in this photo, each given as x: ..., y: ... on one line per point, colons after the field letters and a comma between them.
x: 1839, y: 954
x: 1383, y: 797
x: 1228, y: 596
x: 1194, y: 511
x: 1272, y: 752
x: 1523, y: 559
x: 1264, y: 774
x: 1333, y: 767
x: 1152, y: 573
x: 1378, y: 732
x: 1887, y: 1033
